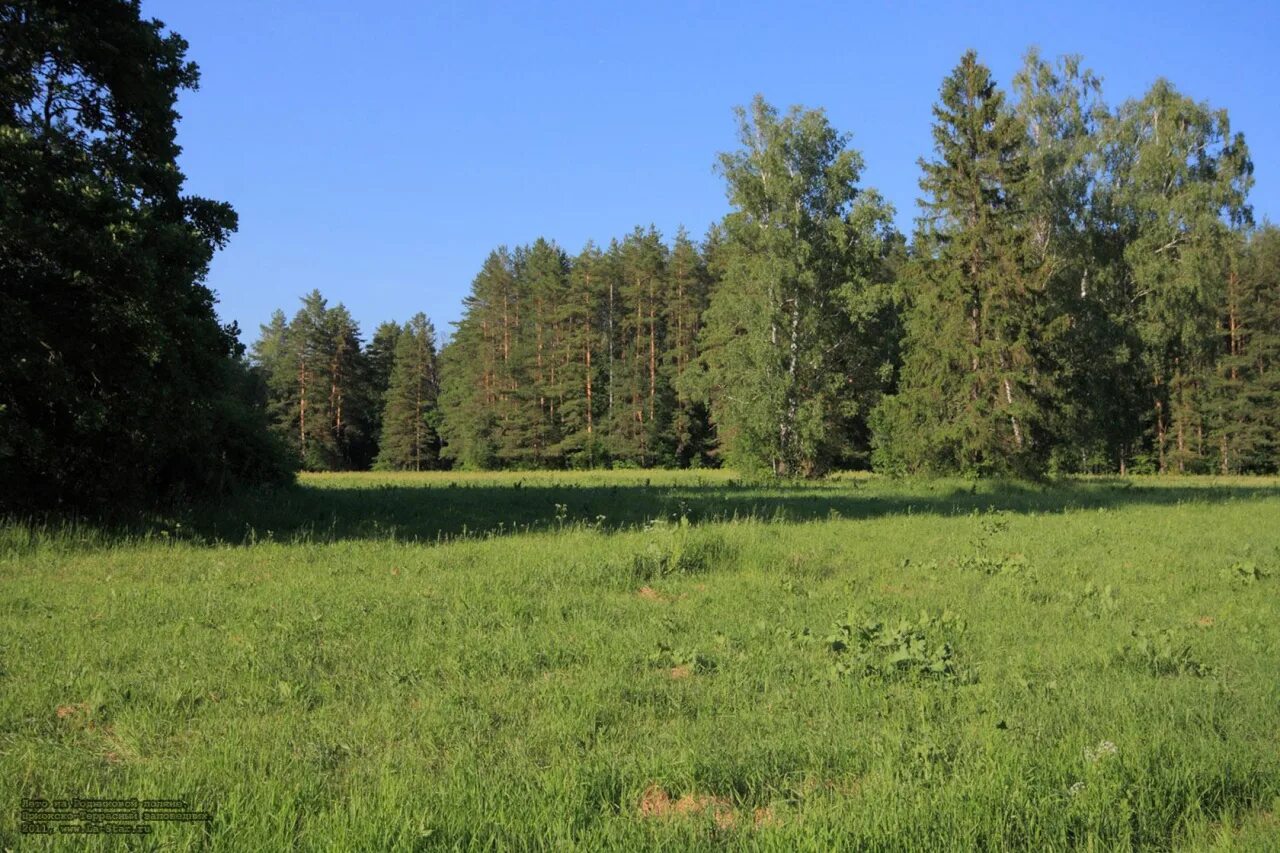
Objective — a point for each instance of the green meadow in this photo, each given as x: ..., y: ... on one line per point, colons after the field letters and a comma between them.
x: 642, y: 659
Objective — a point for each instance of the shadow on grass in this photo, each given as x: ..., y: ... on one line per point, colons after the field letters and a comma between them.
x: 444, y: 511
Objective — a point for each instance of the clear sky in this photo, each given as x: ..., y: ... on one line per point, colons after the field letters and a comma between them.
x: 379, y: 150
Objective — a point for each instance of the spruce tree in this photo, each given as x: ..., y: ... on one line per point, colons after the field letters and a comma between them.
x: 379, y: 357
x: 973, y: 392
x: 409, y: 440
x: 1244, y: 394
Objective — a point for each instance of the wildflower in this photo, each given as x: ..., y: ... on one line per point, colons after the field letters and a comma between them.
x: 1076, y: 790
x: 1096, y: 753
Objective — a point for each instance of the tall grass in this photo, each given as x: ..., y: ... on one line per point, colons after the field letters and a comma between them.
x: 714, y: 664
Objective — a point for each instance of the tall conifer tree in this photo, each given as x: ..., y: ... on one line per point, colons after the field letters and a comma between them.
x: 409, y: 440
x: 973, y: 389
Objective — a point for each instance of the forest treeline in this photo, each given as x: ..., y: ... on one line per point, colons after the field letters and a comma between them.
x: 1085, y: 290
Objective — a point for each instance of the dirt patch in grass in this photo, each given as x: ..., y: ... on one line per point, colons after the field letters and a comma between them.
x: 763, y: 816
x: 73, y: 712
x: 657, y: 804
x: 648, y: 593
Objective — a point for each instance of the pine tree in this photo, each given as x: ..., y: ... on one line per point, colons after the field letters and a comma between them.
x: 1244, y: 394
x: 409, y: 440
x: 636, y: 426
x: 583, y: 374
x: 688, y: 295
x: 531, y: 433
x: 477, y: 367
x: 316, y: 376
x: 379, y: 357
x: 973, y: 391
x: 307, y: 361
x: 347, y: 374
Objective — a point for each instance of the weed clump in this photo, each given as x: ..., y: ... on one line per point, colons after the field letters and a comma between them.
x: 679, y: 550
x: 920, y: 649
x: 1095, y: 603
x: 681, y: 661
x: 1245, y: 573
x: 1162, y: 653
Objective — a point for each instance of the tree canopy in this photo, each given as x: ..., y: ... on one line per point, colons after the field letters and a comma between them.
x: 118, y: 385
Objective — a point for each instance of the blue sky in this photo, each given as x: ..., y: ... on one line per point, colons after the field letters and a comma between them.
x: 379, y: 150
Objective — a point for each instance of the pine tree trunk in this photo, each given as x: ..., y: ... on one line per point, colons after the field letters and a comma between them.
x: 1160, y: 437
x: 609, y: 366
x: 302, y: 408
x: 588, y: 363
x: 653, y: 357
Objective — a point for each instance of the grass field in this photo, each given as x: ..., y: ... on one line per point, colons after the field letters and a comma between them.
x: 630, y: 660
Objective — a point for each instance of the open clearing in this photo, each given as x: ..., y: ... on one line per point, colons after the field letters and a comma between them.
x: 633, y: 659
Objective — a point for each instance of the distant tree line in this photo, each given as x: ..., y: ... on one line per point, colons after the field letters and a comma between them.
x: 1085, y: 291
x: 340, y: 405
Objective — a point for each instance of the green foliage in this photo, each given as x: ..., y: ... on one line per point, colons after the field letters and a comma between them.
x: 912, y: 649
x: 409, y: 441
x: 690, y: 659
x: 579, y: 363
x: 1097, y: 603
x: 118, y: 386
x: 1163, y: 652
x: 1243, y: 394
x: 974, y: 378
x: 1084, y: 293
x: 676, y: 549
x: 1245, y: 573
x: 793, y: 345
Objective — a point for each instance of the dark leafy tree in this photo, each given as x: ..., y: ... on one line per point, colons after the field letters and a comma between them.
x: 118, y: 385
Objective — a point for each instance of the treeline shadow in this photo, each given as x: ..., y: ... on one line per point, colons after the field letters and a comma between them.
x: 445, y: 512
